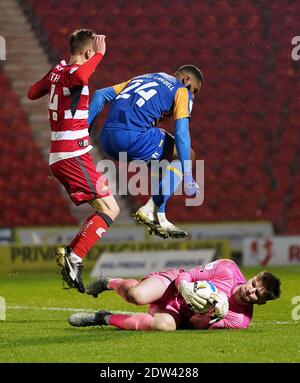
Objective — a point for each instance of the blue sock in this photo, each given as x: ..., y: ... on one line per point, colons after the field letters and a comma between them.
x: 171, y: 178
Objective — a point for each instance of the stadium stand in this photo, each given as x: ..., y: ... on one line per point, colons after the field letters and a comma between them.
x: 243, y: 124
x: 23, y: 173
x: 28, y: 60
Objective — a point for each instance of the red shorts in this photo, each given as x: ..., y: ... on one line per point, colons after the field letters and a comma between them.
x: 80, y: 178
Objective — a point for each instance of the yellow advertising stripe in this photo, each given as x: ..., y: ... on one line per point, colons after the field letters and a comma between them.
x: 19, y: 258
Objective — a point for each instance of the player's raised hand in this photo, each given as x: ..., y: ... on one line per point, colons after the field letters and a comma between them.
x: 99, y: 44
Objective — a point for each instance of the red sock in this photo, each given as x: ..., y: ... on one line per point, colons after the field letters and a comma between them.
x: 121, y: 286
x: 140, y: 321
x: 91, y: 231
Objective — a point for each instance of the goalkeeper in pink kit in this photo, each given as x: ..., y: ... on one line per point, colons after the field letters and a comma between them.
x: 173, y: 303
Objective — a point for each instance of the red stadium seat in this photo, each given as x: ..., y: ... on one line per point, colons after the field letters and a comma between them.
x: 237, y: 115
x: 23, y: 171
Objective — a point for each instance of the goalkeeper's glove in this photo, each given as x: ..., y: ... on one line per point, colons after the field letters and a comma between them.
x: 220, y: 302
x: 193, y: 300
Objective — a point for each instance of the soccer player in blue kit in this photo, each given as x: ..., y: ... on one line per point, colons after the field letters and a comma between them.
x: 136, y: 108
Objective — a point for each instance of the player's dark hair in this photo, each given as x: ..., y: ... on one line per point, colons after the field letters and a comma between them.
x: 193, y: 70
x: 80, y: 39
x: 271, y: 284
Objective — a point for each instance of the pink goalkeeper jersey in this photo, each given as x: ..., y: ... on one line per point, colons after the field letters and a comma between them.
x: 226, y: 276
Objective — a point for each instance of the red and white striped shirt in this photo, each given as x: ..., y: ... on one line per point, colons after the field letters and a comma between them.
x: 67, y: 86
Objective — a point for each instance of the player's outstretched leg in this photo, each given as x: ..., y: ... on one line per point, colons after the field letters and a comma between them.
x: 137, y: 322
x: 120, y: 285
x: 150, y: 289
x: 82, y: 319
x: 97, y: 286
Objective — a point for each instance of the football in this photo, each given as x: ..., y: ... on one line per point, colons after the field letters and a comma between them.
x: 204, y: 289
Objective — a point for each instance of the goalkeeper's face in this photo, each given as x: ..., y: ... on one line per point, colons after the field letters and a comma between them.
x: 253, y: 292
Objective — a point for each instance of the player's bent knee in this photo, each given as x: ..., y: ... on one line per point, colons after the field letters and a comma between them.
x: 107, y: 205
x: 137, y: 296
x: 162, y: 323
x: 112, y: 208
x: 114, y: 211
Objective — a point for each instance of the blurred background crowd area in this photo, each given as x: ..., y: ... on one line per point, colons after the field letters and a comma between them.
x: 244, y: 121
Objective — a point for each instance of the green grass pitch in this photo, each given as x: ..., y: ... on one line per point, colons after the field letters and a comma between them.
x: 32, y: 334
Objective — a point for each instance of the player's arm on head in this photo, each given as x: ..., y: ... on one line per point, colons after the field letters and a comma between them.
x: 102, y: 97
x: 79, y: 75
x: 39, y: 89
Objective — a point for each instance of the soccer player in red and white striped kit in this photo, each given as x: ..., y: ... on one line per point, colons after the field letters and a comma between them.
x: 70, y: 160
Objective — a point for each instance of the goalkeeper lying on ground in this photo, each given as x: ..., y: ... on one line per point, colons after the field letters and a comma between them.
x: 174, y: 303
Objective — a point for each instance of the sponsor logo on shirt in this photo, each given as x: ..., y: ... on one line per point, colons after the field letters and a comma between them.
x: 83, y: 143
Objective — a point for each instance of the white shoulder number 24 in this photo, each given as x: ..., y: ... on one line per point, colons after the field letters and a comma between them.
x: 140, y: 89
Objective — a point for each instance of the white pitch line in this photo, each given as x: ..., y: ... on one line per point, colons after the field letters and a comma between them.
x: 48, y: 308
x: 61, y: 309
x: 273, y: 322
x: 286, y: 322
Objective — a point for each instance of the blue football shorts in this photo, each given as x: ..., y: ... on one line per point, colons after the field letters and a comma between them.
x: 152, y: 144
